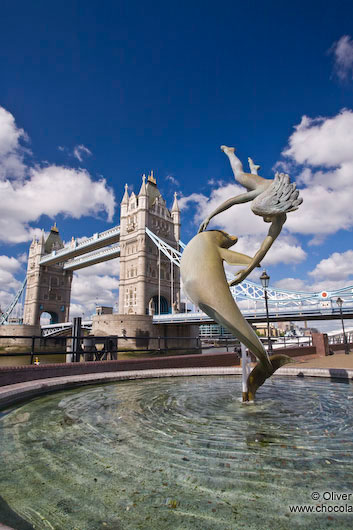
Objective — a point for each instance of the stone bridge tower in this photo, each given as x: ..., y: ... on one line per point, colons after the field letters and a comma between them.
x: 147, y: 285
x: 48, y: 287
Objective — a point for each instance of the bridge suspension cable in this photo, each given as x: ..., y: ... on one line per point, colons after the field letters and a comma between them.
x: 248, y: 290
x: 4, y: 317
x: 172, y: 253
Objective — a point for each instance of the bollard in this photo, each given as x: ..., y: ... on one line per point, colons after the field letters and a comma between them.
x: 32, y: 349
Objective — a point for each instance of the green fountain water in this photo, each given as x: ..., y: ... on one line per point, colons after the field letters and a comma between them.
x: 180, y: 453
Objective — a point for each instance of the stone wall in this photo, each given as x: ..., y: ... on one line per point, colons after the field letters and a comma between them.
x: 20, y: 374
x: 145, y: 334
x: 22, y: 330
x: 24, y: 345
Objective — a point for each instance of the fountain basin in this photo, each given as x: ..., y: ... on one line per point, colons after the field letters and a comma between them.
x: 179, y: 452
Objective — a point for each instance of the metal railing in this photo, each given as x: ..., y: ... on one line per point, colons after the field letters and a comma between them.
x: 232, y: 344
x: 339, y: 338
x: 291, y: 342
x: 96, y: 348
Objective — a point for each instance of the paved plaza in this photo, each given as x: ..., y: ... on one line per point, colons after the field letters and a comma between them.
x: 339, y: 360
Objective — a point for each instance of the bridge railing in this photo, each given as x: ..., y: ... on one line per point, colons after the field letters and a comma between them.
x: 73, y: 246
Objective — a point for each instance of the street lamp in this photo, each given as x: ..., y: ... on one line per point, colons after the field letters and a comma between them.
x: 339, y: 302
x: 265, y: 279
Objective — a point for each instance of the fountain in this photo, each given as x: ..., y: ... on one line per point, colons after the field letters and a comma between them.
x: 179, y: 453
x: 186, y: 452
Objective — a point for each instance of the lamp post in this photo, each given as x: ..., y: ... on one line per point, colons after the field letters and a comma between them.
x: 339, y: 302
x: 265, y: 279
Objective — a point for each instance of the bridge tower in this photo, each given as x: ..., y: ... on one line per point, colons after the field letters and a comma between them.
x: 149, y: 282
x: 48, y: 287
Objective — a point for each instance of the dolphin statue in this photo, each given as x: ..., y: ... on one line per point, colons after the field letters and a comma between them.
x: 205, y: 283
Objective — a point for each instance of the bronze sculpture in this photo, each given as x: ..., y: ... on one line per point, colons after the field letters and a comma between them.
x: 202, y: 268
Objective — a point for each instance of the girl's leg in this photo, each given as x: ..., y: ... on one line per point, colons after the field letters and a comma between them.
x: 235, y: 163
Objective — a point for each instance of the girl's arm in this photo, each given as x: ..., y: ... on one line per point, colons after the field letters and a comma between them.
x: 273, y: 233
x: 239, y: 199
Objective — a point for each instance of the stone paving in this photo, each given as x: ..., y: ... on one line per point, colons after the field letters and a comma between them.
x: 339, y: 360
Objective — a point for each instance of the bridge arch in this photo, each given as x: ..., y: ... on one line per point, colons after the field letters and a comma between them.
x: 154, y: 302
x: 48, y: 315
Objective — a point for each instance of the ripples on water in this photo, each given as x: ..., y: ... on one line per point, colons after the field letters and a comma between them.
x: 179, y: 453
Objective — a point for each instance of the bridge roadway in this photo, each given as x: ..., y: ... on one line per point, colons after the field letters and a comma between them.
x: 92, y: 258
x: 260, y: 316
x: 200, y: 318
x: 74, y: 249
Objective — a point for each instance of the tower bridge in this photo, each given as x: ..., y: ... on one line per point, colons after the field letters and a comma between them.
x: 149, y: 281
x: 147, y: 241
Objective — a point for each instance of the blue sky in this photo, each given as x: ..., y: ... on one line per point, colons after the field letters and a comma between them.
x: 93, y: 95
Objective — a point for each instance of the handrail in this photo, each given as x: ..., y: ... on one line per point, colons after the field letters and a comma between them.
x: 108, y: 345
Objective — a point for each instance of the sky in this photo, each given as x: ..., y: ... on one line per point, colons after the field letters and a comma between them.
x: 93, y: 95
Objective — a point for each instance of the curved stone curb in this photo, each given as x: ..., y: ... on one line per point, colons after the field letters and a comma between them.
x: 11, y: 394
x: 335, y: 373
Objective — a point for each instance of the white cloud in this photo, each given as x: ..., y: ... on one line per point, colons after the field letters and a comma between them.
x: 172, y: 180
x: 324, y: 147
x: 97, y: 284
x: 75, y: 195
x: 9, y: 264
x: 323, y: 141
x: 22, y: 258
x: 336, y: 267
x: 236, y: 220
x: 8, y: 283
x: 285, y: 250
x: 106, y: 268
x: 342, y: 50
x: 330, y: 274
x: 79, y: 310
x: 327, y: 326
x: 240, y: 221
x: 328, y: 285
x: 29, y: 192
x: 80, y: 151
x: 291, y: 284
x: 11, y: 151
